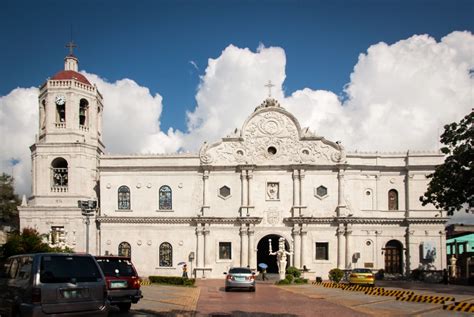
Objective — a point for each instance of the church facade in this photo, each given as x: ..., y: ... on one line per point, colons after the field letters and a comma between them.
x: 225, y: 205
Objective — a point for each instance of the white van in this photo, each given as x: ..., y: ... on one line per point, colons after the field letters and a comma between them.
x: 52, y: 283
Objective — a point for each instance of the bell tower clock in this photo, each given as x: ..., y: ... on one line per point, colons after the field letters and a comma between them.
x: 66, y: 154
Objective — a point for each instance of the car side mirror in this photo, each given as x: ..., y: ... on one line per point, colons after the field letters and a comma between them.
x: 253, y: 273
x: 225, y: 273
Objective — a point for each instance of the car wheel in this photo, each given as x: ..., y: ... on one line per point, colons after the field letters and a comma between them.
x: 252, y: 289
x: 227, y: 289
x: 125, y: 306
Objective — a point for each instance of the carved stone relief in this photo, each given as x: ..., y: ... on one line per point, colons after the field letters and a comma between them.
x: 273, y: 216
x: 271, y: 136
x: 273, y: 191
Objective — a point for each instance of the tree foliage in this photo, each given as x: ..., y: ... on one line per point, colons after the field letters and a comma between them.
x: 452, y: 184
x: 29, y: 241
x: 8, y: 201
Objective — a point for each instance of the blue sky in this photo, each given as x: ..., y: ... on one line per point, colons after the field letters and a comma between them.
x: 153, y: 42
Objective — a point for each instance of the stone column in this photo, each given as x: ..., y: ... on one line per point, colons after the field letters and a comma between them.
x: 377, y: 192
x: 348, y: 246
x: 304, y: 232
x: 301, y: 190
x: 243, y: 245
x: 252, y: 262
x: 408, y: 235
x: 206, y: 261
x: 199, y: 247
x: 442, y: 249
x: 408, y: 178
x: 243, y: 187
x: 295, y: 192
x: 205, y: 193
x: 249, y: 189
x: 340, y: 246
x: 378, y: 263
x: 340, y: 183
x: 296, y: 233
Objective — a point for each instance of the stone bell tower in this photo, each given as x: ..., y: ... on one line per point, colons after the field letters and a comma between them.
x: 65, y: 155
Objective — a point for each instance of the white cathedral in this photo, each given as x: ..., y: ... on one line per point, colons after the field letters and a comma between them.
x: 225, y: 205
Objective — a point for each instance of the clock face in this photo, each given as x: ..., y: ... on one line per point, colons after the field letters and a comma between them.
x: 60, y: 100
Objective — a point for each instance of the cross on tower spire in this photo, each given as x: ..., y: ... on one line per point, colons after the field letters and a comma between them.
x: 71, y: 45
x: 269, y: 85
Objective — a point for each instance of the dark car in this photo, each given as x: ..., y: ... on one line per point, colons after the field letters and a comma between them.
x: 123, y: 282
x: 47, y: 284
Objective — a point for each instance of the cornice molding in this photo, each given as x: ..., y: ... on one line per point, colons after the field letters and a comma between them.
x: 180, y: 220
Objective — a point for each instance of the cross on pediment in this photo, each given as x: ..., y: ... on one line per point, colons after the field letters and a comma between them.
x: 269, y: 86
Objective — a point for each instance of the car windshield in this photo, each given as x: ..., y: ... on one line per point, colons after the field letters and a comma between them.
x: 116, y: 267
x: 240, y: 270
x: 68, y: 269
x: 361, y: 271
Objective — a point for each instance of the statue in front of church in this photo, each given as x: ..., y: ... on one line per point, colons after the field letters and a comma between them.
x: 281, y: 256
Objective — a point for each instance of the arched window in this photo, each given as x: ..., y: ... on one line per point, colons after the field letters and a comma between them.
x: 166, y: 254
x: 83, y: 112
x: 124, y: 249
x: 123, y: 197
x: 59, y: 174
x: 165, y: 198
x: 43, y: 114
x: 392, y: 199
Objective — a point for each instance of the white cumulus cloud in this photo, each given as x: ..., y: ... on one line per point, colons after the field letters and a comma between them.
x: 399, y: 97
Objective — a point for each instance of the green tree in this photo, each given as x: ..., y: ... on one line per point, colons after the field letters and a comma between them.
x: 8, y: 201
x: 452, y: 184
x: 29, y: 241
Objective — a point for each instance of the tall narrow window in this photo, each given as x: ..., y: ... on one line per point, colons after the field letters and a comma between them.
x: 165, y: 198
x: 43, y: 114
x: 166, y: 254
x: 83, y: 112
x: 124, y: 249
x: 59, y: 175
x: 60, y: 111
x: 123, y: 197
x: 392, y: 199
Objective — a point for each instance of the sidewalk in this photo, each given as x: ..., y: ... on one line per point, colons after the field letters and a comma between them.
x: 166, y: 300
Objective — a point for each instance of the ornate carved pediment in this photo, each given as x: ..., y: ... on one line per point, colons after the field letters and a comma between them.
x: 271, y: 135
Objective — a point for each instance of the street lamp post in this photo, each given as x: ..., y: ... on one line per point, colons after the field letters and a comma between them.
x: 88, y: 208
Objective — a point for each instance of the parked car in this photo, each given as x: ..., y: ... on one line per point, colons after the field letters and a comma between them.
x: 362, y: 276
x: 46, y: 284
x: 240, y: 277
x: 123, y: 282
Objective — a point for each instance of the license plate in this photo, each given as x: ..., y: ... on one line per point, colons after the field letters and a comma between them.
x: 74, y: 293
x: 240, y: 278
x: 118, y: 284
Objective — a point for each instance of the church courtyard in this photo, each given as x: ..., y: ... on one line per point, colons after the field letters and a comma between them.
x: 208, y: 298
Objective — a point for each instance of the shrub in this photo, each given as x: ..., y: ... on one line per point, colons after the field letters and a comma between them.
x: 301, y: 281
x: 319, y: 279
x: 417, y: 274
x: 172, y: 280
x: 283, y: 282
x: 336, y: 275
x: 380, y: 274
x: 289, y: 277
x: 293, y: 271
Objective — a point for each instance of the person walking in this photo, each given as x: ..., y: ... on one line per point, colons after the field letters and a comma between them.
x: 264, y: 275
x: 185, y: 271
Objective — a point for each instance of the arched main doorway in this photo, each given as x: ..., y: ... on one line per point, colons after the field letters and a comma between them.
x: 263, y: 252
x: 393, y: 257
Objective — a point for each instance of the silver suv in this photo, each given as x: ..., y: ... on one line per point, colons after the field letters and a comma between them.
x: 53, y: 283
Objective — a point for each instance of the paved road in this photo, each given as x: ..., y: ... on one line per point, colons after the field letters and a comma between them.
x: 210, y: 299
x: 268, y: 300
